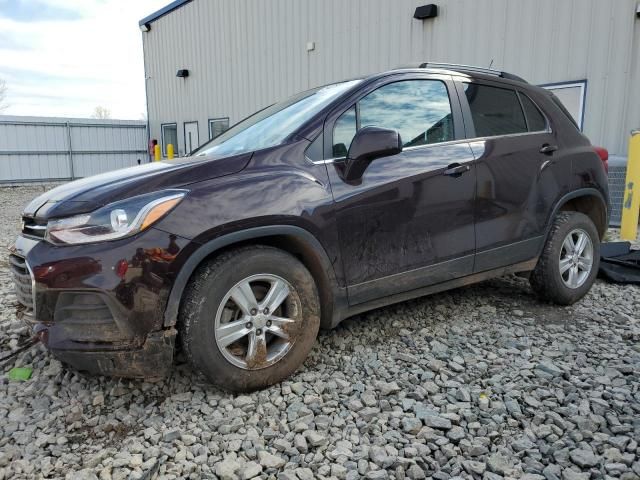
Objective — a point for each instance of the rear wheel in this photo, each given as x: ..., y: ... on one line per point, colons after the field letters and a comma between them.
x: 570, y: 260
x: 250, y: 318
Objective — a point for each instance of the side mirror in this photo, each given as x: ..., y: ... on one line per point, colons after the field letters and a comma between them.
x: 368, y: 144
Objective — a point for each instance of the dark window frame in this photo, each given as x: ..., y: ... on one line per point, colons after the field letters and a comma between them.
x: 184, y: 135
x: 164, y: 144
x: 209, y: 120
x: 584, y: 85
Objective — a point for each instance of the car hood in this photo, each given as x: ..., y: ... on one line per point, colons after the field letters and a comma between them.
x: 88, y: 194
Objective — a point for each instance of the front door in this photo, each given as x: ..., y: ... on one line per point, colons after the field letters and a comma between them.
x: 408, y: 222
x: 191, y: 139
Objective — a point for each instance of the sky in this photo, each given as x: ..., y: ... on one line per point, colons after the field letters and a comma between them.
x: 65, y: 57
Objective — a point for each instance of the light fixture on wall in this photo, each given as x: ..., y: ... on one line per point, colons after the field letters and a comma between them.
x: 183, y: 73
x: 426, y: 11
x: 638, y: 10
x: 145, y: 27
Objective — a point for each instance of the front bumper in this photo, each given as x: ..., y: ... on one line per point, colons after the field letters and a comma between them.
x: 100, y: 307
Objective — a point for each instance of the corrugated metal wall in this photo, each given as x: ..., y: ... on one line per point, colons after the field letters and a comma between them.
x: 40, y: 148
x: 245, y: 54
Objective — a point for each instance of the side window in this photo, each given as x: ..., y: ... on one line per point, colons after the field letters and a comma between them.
x: 495, y: 111
x: 343, y: 132
x: 418, y: 109
x: 535, y: 118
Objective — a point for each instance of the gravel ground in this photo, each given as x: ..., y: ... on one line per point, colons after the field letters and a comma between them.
x: 480, y: 382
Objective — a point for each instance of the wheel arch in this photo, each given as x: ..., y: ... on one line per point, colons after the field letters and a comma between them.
x: 292, y: 239
x: 589, y: 201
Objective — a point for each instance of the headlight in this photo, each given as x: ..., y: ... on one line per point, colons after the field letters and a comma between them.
x: 116, y: 220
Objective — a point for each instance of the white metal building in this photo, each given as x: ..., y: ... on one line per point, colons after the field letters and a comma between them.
x: 242, y: 55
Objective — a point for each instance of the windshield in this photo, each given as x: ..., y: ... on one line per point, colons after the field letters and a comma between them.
x: 269, y: 127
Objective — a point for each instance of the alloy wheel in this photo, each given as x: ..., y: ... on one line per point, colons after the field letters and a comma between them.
x: 576, y: 258
x: 255, y: 325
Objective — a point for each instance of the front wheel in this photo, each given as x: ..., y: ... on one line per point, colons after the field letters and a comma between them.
x: 570, y: 260
x: 250, y: 318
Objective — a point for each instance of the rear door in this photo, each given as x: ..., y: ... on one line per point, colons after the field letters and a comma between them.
x: 408, y: 222
x: 517, y: 172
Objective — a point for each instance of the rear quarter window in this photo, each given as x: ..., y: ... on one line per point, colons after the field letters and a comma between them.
x: 536, y: 120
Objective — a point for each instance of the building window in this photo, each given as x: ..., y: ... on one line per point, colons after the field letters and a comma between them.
x: 218, y: 126
x: 495, y: 111
x: 169, y: 136
x: 573, y: 96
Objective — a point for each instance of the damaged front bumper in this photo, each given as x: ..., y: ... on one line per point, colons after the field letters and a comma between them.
x: 151, y: 361
x: 100, y: 308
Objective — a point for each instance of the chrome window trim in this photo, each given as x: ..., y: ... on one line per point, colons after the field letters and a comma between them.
x: 407, y: 149
x: 428, y: 145
x: 510, y: 135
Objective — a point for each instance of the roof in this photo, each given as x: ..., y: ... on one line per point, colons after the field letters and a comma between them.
x: 163, y: 11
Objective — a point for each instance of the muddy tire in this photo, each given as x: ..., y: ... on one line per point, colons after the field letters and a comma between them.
x: 570, y: 260
x: 249, y: 318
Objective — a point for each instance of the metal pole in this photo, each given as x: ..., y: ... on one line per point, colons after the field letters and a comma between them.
x: 70, y: 151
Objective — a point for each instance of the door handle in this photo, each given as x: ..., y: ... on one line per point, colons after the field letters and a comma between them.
x: 548, y: 149
x: 456, y: 170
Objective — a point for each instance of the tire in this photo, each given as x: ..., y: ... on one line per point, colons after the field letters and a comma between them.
x: 568, y: 287
x: 227, y: 339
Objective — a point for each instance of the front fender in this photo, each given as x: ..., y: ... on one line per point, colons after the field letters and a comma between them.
x: 332, y: 296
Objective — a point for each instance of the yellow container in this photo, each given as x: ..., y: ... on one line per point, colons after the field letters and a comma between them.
x: 631, y: 204
x: 170, y: 151
x: 156, y: 153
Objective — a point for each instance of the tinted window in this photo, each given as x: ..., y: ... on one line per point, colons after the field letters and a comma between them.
x: 535, y: 118
x: 418, y: 109
x: 495, y: 111
x: 343, y: 132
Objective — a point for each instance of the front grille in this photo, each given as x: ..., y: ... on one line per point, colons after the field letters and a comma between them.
x: 33, y: 228
x: 22, y: 280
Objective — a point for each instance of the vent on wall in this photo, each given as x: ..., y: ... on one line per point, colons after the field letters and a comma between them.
x: 617, y: 179
x: 426, y: 11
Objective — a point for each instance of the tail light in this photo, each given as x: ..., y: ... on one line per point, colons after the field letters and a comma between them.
x: 604, y: 156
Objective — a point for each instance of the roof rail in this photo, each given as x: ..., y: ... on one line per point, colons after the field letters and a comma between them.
x: 472, y: 69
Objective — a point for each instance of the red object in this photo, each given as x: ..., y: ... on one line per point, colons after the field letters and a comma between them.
x: 604, y: 156
x: 152, y: 146
x: 121, y: 268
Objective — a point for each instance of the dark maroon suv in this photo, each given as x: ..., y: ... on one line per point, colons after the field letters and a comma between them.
x: 341, y: 199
